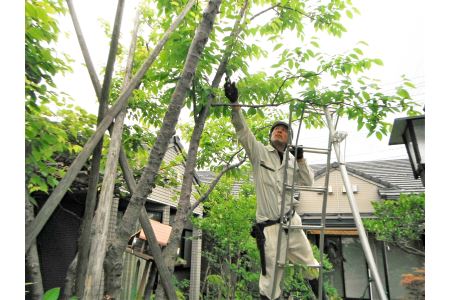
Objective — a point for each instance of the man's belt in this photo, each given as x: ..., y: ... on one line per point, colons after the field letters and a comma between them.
x: 258, y: 233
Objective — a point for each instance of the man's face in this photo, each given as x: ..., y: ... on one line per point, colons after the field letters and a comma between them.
x: 280, y: 135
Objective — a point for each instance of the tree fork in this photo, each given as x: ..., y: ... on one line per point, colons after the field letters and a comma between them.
x: 84, y: 240
x: 115, y: 262
x: 52, y: 202
x: 167, y: 130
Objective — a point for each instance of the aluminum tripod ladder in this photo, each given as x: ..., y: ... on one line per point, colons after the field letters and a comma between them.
x: 334, y: 140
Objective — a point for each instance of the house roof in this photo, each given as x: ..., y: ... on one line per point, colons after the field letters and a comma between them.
x: 208, y: 177
x: 393, y: 175
x: 162, y: 232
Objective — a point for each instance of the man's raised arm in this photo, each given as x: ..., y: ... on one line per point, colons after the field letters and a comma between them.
x: 245, y: 136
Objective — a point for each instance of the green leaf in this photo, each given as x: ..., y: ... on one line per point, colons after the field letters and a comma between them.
x: 366, y: 95
x: 379, y: 135
x: 51, y: 294
x: 378, y: 61
x: 403, y: 93
x: 357, y: 50
x: 360, y: 124
x: 410, y: 84
x: 277, y: 46
x: 349, y: 14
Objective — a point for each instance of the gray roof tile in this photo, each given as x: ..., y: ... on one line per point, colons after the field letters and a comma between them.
x: 393, y: 174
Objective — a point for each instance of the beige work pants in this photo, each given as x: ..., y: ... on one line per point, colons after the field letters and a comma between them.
x: 299, y: 251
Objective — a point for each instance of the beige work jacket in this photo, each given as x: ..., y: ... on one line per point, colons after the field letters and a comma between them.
x: 268, y: 172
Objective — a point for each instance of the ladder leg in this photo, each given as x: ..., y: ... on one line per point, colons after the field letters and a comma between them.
x: 323, y: 220
x: 355, y: 211
x: 283, y: 196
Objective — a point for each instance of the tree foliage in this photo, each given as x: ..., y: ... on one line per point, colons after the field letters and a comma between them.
x: 231, y: 252
x: 400, y: 222
x: 55, y: 129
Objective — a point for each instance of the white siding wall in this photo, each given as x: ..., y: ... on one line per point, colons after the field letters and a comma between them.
x: 169, y: 196
x: 311, y: 202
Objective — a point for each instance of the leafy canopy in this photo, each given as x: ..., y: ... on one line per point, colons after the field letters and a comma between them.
x: 399, y: 221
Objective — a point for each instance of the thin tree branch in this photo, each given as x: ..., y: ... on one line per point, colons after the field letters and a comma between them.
x: 274, y: 7
x: 289, y: 78
x: 252, y: 105
x: 296, y: 10
x: 215, y: 182
x: 263, y: 11
x: 84, y: 50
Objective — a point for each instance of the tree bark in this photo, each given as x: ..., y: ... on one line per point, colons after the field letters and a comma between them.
x: 167, y: 130
x: 32, y: 257
x: 52, y: 202
x: 94, y: 269
x: 113, y: 265
x: 70, y: 279
x: 85, y: 236
x: 170, y: 252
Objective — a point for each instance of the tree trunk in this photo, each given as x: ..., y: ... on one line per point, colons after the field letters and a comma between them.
x: 32, y: 257
x: 102, y: 215
x: 84, y: 242
x: 150, y: 282
x: 94, y: 270
x: 52, y: 202
x: 113, y: 263
x: 144, y: 187
x: 70, y: 279
x: 170, y: 252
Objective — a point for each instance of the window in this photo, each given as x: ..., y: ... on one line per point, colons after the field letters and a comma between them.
x: 155, y: 215
x: 186, y: 246
x: 355, y: 269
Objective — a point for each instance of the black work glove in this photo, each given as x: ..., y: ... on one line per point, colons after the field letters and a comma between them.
x: 299, y: 151
x: 231, y: 91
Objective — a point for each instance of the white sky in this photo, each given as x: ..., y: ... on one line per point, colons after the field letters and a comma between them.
x: 394, y: 36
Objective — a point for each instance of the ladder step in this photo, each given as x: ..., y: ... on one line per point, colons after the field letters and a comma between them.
x: 305, y: 227
x: 313, y: 150
x: 307, y: 188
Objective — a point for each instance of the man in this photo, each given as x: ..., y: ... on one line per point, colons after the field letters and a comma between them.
x: 268, y: 170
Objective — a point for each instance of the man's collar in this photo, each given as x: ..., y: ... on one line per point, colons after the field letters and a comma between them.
x: 270, y: 148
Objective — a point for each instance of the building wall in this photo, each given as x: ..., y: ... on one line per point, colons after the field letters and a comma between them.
x: 351, y: 274
x: 169, y: 196
x: 311, y: 202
